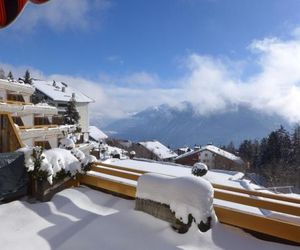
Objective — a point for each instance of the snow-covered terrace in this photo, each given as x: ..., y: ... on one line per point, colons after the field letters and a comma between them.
x: 82, y: 218
x: 219, y: 177
x: 15, y: 86
x: 40, y: 108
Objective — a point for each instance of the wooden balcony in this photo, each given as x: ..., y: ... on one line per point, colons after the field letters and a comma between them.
x: 123, y: 181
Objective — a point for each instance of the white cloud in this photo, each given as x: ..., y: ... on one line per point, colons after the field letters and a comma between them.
x: 60, y: 14
x: 212, y: 86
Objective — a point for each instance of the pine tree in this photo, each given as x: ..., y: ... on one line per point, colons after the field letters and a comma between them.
x: 72, y: 116
x: 245, y: 150
x: 10, y: 75
x: 231, y: 148
x: 27, y: 78
x: 296, y: 145
x: 2, y: 74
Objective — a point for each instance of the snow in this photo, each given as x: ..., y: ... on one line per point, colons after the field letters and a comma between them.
x: 199, y: 169
x: 19, y: 85
x: 185, y: 195
x: 200, y: 165
x: 159, y: 149
x: 82, y: 218
x: 213, y: 176
x: 56, y: 92
x: 188, y: 153
x: 54, y: 160
x: 222, y: 177
x: 67, y: 143
x: 96, y: 133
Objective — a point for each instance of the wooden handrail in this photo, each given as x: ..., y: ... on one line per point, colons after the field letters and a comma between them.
x: 18, y: 102
x: 254, y: 202
x: 270, y: 226
x: 258, y: 193
x: 240, y: 218
x: 229, y: 188
x: 121, y: 168
x: 118, y: 173
x: 38, y: 126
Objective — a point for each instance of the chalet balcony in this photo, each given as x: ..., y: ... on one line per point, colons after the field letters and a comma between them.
x: 17, y: 87
x: 42, y: 131
x: 25, y: 108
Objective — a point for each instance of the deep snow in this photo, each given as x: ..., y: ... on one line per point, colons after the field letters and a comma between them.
x: 82, y: 218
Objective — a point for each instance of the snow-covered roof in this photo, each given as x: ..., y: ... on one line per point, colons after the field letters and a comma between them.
x: 59, y: 91
x: 187, y: 154
x: 222, y: 152
x: 158, y: 149
x: 96, y: 133
x: 14, y: 85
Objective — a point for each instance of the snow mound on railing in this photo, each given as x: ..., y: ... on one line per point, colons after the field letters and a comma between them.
x: 185, y: 195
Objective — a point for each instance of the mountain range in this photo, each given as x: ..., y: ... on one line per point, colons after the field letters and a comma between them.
x: 182, y: 126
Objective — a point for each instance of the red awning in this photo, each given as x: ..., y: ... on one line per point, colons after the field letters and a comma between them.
x: 10, y: 9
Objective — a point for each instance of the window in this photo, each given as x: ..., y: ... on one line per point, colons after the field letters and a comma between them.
x: 42, y: 144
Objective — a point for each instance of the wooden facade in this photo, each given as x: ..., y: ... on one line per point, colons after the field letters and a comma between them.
x: 9, y: 137
x: 189, y: 159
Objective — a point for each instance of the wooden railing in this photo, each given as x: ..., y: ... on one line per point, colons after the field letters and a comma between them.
x: 18, y: 102
x: 9, y: 136
x: 38, y: 126
x: 279, y: 228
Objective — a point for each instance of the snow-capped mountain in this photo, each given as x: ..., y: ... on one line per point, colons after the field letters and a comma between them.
x: 176, y: 127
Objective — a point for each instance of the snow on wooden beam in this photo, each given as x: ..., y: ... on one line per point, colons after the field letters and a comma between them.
x: 269, y: 226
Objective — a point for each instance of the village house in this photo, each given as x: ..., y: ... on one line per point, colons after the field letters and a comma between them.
x: 188, y: 158
x: 96, y: 135
x: 158, y: 151
x: 213, y: 157
x: 58, y: 94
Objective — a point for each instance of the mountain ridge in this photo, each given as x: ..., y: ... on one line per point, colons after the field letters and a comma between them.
x: 181, y: 125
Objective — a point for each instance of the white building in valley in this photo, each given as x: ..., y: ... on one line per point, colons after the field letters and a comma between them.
x: 59, y: 94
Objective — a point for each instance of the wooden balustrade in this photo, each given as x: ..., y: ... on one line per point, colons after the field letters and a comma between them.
x: 18, y: 102
x: 38, y: 127
x: 279, y: 228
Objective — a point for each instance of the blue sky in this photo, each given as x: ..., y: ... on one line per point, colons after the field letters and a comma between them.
x: 137, y: 45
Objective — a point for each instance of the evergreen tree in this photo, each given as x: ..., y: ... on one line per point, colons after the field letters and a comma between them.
x: 245, y: 150
x: 2, y: 74
x: 255, y: 155
x: 72, y: 116
x: 231, y: 148
x: 27, y: 78
x: 296, y: 145
x: 10, y: 75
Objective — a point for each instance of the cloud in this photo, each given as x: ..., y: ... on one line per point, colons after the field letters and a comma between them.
x: 211, y: 84
x: 60, y: 15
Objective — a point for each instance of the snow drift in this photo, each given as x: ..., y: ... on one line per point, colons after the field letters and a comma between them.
x: 185, y: 195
